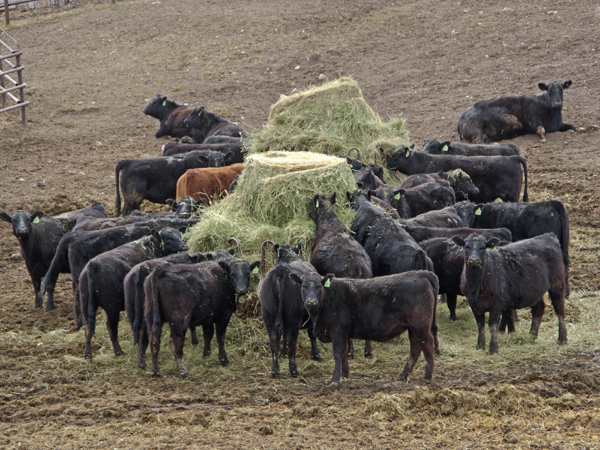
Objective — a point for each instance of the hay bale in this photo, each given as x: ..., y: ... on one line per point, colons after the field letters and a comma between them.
x: 272, y: 201
x: 329, y: 119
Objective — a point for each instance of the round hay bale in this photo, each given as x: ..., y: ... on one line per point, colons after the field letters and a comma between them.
x: 329, y: 119
x: 272, y: 201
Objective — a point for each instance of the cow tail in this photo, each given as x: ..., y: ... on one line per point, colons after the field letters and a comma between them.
x: 564, y: 239
x: 524, y: 164
x: 421, y: 259
x: 155, y: 299
x: 433, y: 279
x: 458, y: 130
x: 91, y: 272
x: 137, y: 280
x: 281, y: 272
x: 118, y: 169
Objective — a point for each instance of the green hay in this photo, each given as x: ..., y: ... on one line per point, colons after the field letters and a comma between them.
x: 272, y: 201
x: 329, y: 119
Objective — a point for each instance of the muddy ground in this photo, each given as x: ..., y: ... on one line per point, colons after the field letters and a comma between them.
x: 90, y: 70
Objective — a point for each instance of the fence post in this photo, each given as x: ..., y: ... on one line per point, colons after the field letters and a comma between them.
x: 2, y: 96
x: 6, y: 12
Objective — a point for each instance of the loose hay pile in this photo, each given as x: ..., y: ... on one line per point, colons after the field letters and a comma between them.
x: 330, y: 119
x: 272, y: 201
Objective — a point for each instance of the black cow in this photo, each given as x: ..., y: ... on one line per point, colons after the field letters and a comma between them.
x: 207, y: 124
x: 185, y: 207
x: 366, y: 179
x: 421, y: 234
x: 282, y: 308
x: 435, y: 147
x: 218, y: 139
x: 193, y: 294
x: 155, y: 179
x: 510, y: 116
x: 171, y: 116
x: 174, y: 149
x: 513, y: 277
x: 376, y: 309
x: 77, y: 248
x: 526, y: 220
x: 461, y: 183
x: 38, y: 238
x: 420, y: 199
x: 442, y: 218
x: 101, y: 280
x: 135, y: 300
x: 495, y: 176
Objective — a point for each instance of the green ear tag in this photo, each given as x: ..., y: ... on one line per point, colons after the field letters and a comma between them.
x: 445, y: 148
x: 407, y: 152
x: 397, y: 196
x: 478, y: 212
x: 36, y: 220
x: 255, y: 270
x: 200, y: 113
x: 164, y: 103
x: 327, y: 283
x: 278, y: 253
x: 316, y: 203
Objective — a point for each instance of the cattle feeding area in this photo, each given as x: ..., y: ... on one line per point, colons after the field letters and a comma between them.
x: 237, y: 59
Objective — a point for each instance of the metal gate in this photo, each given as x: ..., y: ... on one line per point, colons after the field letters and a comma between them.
x: 10, y: 66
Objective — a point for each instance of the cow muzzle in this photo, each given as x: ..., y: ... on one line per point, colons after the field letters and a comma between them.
x: 22, y: 232
x: 474, y: 263
x: 557, y: 105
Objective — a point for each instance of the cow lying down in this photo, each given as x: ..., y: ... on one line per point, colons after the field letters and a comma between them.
x: 377, y: 309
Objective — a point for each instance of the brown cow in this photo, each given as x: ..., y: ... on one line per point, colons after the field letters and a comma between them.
x: 205, y: 183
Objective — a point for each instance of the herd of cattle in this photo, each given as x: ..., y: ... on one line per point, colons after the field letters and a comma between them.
x: 441, y: 232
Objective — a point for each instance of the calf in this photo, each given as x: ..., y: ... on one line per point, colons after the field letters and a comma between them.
x: 155, y: 179
x: 435, y: 147
x: 101, y: 280
x: 171, y: 116
x: 282, y: 308
x: 510, y: 116
x: 461, y: 183
x: 377, y: 309
x: 206, y: 183
x: 526, y: 220
x: 206, y: 124
x: 175, y: 148
x: 418, y: 200
x: 38, y: 238
x: 513, y: 277
x: 193, y: 294
x: 495, y: 176
x: 335, y: 251
x: 134, y: 296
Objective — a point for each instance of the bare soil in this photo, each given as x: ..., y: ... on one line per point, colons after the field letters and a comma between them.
x: 90, y: 70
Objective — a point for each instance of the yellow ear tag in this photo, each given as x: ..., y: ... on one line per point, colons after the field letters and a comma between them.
x: 445, y: 148
x: 200, y: 113
x: 36, y: 220
x: 278, y: 253
x: 397, y: 196
x: 255, y: 270
x: 407, y: 152
x: 478, y: 212
x: 164, y: 103
x: 327, y: 283
x: 316, y: 203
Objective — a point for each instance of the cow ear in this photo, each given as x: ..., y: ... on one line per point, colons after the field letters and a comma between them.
x: 399, y: 193
x: 4, y: 216
x: 295, y: 278
x: 543, y: 86
x: 231, y: 251
x: 224, y: 265
x: 229, y: 156
x: 172, y: 203
x: 458, y: 241
x: 446, y: 144
x: 155, y: 234
x: 360, y: 186
x: 348, y: 196
x: 567, y: 83
x: 37, y: 215
x: 412, y: 146
x: 493, y: 242
x: 478, y: 209
x: 333, y: 198
x: 326, y: 280
x: 254, y: 267
x: 371, y: 193
x: 203, y: 159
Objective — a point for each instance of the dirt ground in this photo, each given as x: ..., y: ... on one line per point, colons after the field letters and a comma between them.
x: 90, y: 70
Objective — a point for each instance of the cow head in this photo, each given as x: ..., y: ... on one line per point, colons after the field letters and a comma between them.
x: 239, y: 273
x: 475, y: 247
x: 312, y: 288
x: 22, y: 222
x: 201, y: 119
x: 170, y: 241
x: 185, y: 207
x: 287, y: 253
x: 156, y: 106
x: 554, y: 93
x: 321, y: 204
x: 401, y: 158
x: 461, y: 183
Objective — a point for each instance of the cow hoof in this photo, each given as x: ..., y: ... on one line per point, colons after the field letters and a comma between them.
x: 316, y: 358
x: 334, y: 384
x: 155, y: 375
x: 183, y: 374
x: 205, y: 354
x: 562, y: 342
x: 224, y: 363
x: 294, y: 373
x: 274, y: 374
x: 452, y: 318
x: 543, y: 141
x: 369, y: 355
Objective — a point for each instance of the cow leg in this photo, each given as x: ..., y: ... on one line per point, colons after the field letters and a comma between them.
x: 350, y: 349
x: 368, y: 349
x: 194, y: 335
x: 79, y: 320
x: 340, y: 355
x: 284, y: 344
x: 154, y: 349
x: 112, y: 323
x: 480, y: 319
x: 537, y: 312
x: 507, y: 321
x: 451, y: 301
x: 314, y: 350
x: 274, y: 345
x: 89, y: 320
x: 558, y: 303
x: 177, y: 339
x: 142, y: 346
x: 541, y: 131
x: 37, y: 282
x: 493, y: 321
x: 221, y: 328
x: 292, y: 338
x: 415, y: 352
x: 208, y: 331
x: 131, y: 204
